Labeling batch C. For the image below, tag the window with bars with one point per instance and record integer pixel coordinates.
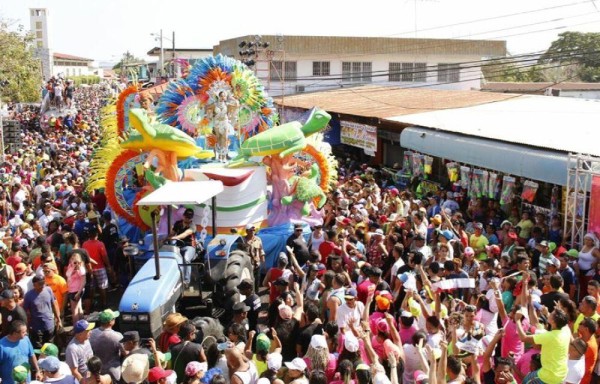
(357, 72)
(448, 72)
(277, 74)
(320, 68)
(408, 72)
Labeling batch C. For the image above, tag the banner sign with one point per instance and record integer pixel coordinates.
(359, 135)
(594, 215)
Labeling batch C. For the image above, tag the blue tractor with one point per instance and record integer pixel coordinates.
(157, 288)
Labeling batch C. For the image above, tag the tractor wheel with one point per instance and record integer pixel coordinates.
(239, 267)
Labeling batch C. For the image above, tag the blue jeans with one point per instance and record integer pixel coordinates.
(188, 253)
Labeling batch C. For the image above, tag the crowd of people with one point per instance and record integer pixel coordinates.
(391, 288)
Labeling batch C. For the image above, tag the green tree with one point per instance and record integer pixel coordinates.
(18, 67)
(507, 70)
(127, 59)
(581, 49)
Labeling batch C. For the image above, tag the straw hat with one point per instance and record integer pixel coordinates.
(173, 320)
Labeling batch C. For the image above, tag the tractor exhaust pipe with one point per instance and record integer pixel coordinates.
(155, 244)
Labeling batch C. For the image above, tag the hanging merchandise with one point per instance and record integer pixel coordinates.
(427, 165)
(508, 188)
(555, 200)
(452, 172)
(493, 185)
(476, 187)
(529, 190)
(484, 184)
(407, 162)
(417, 164)
(465, 177)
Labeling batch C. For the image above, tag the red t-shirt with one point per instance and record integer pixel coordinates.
(326, 248)
(363, 290)
(97, 251)
(13, 260)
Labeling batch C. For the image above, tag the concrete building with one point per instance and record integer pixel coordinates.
(69, 66)
(297, 64)
(170, 54)
(39, 20)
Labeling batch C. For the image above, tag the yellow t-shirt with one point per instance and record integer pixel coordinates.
(554, 355)
(479, 242)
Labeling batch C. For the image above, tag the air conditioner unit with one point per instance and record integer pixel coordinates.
(300, 88)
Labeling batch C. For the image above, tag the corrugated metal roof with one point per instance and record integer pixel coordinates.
(385, 102)
(564, 124)
(64, 56)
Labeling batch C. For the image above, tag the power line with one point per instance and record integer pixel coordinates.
(569, 54)
(494, 17)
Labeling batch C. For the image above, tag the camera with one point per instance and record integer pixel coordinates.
(145, 343)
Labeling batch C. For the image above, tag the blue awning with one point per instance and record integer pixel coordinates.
(513, 159)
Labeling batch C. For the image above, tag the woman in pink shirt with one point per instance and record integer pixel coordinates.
(75, 285)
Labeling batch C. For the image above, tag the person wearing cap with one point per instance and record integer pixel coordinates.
(43, 312)
(159, 375)
(10, 311)
(101, 267)
(184, 231)
(254, 247)
(297, 371)
(105, 342)
(240, 314)
(264, 348)
(50, 349)
(51, 368)
(79, 350)
(252, 300)
(298, 244)
(509, 243)
(546, 257)
(478, 242)
(135, 368)
(16, 349)
(352, 308)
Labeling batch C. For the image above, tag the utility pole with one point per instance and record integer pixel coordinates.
(162, 56)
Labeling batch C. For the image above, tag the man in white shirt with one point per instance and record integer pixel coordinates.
(576, 363)
(351, 310)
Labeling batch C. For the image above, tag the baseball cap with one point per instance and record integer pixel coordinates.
(478, 226)
(47, 349)
(250, 226)
(20, 373)
(107, 316)
(554, 262)
(130, 336)
(469, 251)
(274, 361)
(50, 364)
(379, 231)
(420, 376)
(297, 364)
(281, 282)
(544, 243)
(263, 343)
(351, 293)
(573, 253)
(285, 312)
(157, 373)
(505, 222)
(318, 341)
(83, 325)
(7, 294)
(512, 235)
(193, 367)
(406, 314)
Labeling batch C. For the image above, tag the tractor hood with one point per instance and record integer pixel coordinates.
(144, 294)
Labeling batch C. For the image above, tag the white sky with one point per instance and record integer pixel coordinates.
(104, 29)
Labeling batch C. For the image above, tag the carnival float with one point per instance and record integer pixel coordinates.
(215, 123)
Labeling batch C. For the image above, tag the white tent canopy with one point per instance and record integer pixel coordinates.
(185, 192)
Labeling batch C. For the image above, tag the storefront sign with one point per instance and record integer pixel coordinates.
(359, 135)
(594, 216)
